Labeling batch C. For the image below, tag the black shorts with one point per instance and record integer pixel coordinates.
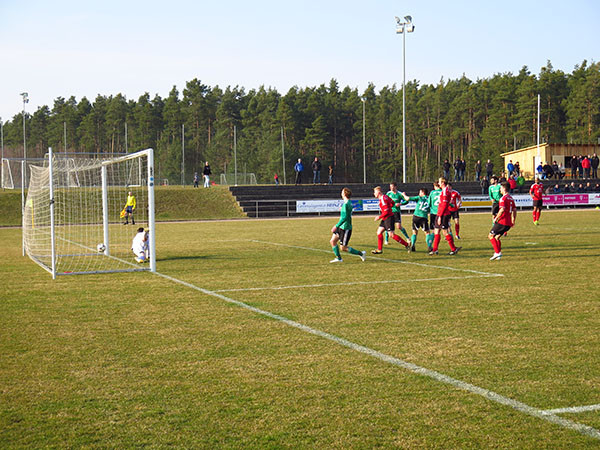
(499, 230)
(420, 222)
(432, 221)
(344, 235)
(388, 223)
(495, 208)
(443, 222)
(398, 217)
(129, 209)
(454, 214)
(538, 203)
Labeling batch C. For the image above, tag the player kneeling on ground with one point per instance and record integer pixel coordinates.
(503, 221)
(139, 245)
(342, 231)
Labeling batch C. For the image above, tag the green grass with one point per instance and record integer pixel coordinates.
(172, 203)
(137, 360)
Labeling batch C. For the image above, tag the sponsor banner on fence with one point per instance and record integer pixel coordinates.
(478, 201)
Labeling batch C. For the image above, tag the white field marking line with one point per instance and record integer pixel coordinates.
(530, 243)
(487, 274)
(573, 409)
(349, 283)
(490, 395)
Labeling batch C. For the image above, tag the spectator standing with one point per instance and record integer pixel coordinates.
(330, 177)
(548, 172)
(446, 168)
(276, 178)
(510, 167)
(594, 164)
(586, 165)
(579, 165)
(316, 168)
(489, 169)
(299, 168)
(512, 182)
(485, 185)
(555, 169)
(463, 169)
(196, 179)
(574, 164)
(517, 169)
(457, 165)
(478, 170)
(206, 173)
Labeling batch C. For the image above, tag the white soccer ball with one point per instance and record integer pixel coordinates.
(101, 248)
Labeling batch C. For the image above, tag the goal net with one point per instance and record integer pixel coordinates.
(241, 178)
(12, 171)
(74, 215)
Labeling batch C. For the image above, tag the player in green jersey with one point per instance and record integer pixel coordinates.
(399, 200)
(495, 195)
(420, 216)
(434, 201)
(342, 230)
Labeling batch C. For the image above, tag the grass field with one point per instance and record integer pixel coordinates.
(250, 338)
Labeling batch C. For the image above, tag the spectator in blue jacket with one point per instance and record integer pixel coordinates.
(298, 168)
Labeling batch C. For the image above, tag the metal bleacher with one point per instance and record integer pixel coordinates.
(280, 201)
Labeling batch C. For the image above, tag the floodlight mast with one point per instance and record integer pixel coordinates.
(403, 28)
(25, 96)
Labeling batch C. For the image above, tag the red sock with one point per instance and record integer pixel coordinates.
(534, 215)
(436, 242)
(399, 239)
(539, 213)
(457, 228)
(499, 244)
(380, 241)
(450, 240)
(494, 242)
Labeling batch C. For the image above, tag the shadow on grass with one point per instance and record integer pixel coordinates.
(195, 258)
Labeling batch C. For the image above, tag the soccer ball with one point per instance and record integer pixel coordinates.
(101, 248)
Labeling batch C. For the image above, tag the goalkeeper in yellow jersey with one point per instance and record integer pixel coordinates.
(129, 208)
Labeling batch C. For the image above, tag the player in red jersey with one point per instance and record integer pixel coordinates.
(536, 192)
(387, 221)
(442, 220)
(503, 221)
(455, 204)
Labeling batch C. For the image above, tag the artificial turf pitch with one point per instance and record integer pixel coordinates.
(138, 359)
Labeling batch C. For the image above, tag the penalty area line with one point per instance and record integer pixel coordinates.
(350, 283)
(573, 409)
(399, 261)
(490, 395)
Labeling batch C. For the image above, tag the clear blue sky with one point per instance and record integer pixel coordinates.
(63, 48)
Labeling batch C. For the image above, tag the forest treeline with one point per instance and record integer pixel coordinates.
(455, 118)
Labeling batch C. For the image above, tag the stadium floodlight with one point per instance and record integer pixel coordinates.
(72, 220)
(364, 101)
(25, 96)
(403, 28)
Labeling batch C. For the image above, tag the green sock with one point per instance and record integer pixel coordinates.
(413, 240)
(429, 240)
(354, 251)
(404, 232)
(386, 237)
(336, 250)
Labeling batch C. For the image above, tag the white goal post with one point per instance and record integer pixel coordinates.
(75, 214)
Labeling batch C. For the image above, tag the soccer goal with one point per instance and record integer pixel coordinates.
(74, 215)
(240, 178)
(12, 171)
